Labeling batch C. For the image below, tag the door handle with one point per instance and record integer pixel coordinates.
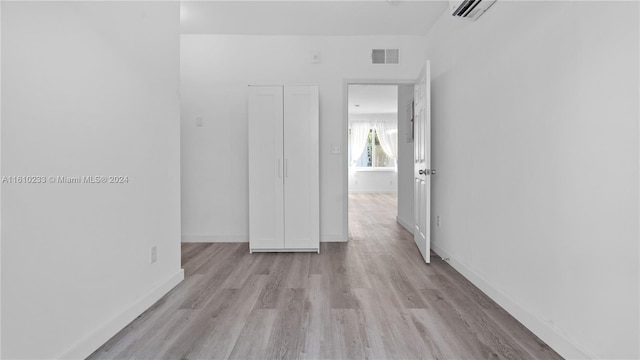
(422, 172)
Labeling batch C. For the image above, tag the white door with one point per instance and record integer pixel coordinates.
(266, 168)
(301, 168)
(422, 162)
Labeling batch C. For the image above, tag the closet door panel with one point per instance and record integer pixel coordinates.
(301, 194)
(266, 167)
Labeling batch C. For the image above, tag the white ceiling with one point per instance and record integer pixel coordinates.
(373, 99)
(346, 18)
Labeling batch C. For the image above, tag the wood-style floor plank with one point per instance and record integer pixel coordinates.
(370, 298)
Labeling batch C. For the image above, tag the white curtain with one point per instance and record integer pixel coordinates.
(388, 134)
(359, 135)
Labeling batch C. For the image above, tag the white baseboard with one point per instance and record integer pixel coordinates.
(405, 224)
(215, 238)
(333, 238)
(548, 333)
(244, 238)
(373, 191)
(101, 335)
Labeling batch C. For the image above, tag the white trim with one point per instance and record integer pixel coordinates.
(355, 116)
(0, 175)
(215, 238)
(373, 191)
(345, 137)
(245, 238)
(102, 334)
(280, 250)
(287, 84)
(548, 333)
(333, 237)
(374, 169)
(405, 224)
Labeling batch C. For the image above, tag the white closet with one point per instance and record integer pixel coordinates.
(284, 185)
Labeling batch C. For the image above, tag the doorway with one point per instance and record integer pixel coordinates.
(379, 155)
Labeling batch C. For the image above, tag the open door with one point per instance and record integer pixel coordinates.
(422, 162)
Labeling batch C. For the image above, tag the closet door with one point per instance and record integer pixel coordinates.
(266, 168)
(301, 193)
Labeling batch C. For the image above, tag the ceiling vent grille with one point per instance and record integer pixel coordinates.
(470, 9)
(385, 56)
(377, 56)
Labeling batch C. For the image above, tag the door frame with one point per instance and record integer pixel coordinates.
(345, 137)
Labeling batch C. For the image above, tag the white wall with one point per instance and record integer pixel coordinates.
(535, 123)
(88, 88)
(377, 181)
(405, 158)
(215, 72)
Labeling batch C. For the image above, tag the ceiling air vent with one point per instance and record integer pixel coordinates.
(470, 9)
(385, 56)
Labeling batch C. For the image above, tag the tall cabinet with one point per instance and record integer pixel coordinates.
(284, 184)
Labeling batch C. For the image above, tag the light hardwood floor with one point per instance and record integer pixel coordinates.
(370, 298)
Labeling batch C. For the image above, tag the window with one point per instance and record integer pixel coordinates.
(373, 155)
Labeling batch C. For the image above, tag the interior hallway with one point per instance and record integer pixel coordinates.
(372, 297)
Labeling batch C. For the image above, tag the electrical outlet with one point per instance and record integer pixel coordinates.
(438, 221)
(154, 254)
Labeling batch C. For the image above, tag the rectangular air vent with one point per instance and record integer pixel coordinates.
(377, 56)
(385, 56)
(392, 56)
